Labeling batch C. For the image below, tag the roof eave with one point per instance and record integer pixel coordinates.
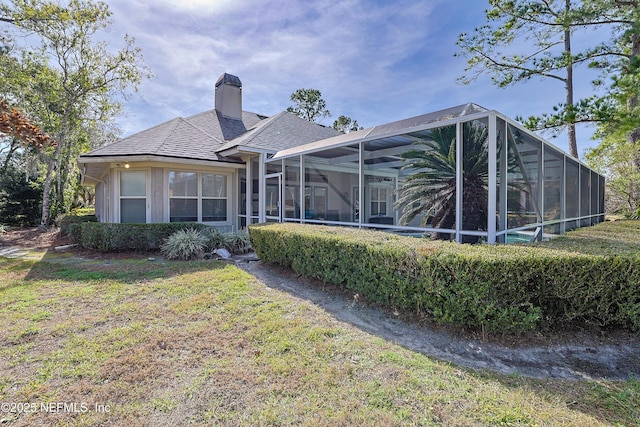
(152, 158)
(240, 150)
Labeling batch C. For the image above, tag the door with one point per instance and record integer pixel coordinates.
(273, 196)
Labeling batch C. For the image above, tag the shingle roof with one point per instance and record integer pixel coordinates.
(195, 137)
(224, 128)
(203, 135)
(280, 132)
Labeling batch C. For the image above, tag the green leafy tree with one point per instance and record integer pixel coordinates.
(20, 195)
(74, 93)
(618, 158)
(523, 39)
(624, 73)
(309, 105)
(346, 124)
(618, 154)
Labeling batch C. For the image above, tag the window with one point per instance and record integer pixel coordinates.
(183, 197)
(214, 197)
(133, 196)
(197, 197)
(379, 196)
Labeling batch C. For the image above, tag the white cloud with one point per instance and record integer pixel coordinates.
(202, 6)
(346, 49)
(374, 61)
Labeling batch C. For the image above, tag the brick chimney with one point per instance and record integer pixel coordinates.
(228, 100)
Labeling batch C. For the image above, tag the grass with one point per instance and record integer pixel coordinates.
(159, 343)
(616, 238)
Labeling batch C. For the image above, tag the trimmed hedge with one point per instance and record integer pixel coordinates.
(70, 225)
(113, 237)
(501, 288)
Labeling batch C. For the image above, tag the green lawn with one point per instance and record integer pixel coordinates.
(173, 343)
(611, 238)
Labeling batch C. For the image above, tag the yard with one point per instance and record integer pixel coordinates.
(134, 341)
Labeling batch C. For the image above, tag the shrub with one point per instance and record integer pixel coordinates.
(501, 288)
(4, 228)
(83, 211)
(70, 225)
(215, 239)
(237, 242)
(113, 237)
(185, 244)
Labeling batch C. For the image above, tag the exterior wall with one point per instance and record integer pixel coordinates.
(108, 198)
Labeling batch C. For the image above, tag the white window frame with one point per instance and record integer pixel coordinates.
(386, 200)
(119, 196)
(199, 197)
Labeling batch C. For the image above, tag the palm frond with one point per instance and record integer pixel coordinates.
(430, 191)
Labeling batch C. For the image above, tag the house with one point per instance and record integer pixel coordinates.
(194, 168)
(229, 168)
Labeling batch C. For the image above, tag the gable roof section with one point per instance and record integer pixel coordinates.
(280, 132)
(175, 138)
(196, 137)
(425, 119)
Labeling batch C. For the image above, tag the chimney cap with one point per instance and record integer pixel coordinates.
(229, 79)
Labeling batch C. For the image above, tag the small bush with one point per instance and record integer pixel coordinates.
(185, 244)
(215, 239)
(4, 228)
(238, 242)
(83, 211)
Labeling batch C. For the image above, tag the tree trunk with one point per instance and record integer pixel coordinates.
(571, 126)
(12, 149)
(46, 194)
(632, 103)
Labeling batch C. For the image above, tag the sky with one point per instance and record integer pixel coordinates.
(375, 61)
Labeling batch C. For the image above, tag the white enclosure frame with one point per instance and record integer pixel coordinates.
(363, 166)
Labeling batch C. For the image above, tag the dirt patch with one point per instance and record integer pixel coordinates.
(48, 240)
(34, 238)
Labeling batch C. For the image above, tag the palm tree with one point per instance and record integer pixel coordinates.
(431, 190)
